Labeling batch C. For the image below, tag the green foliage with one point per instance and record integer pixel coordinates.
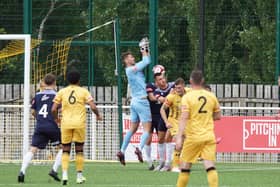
(13, 70)
(2, 31)
(239, 35)
(240, 42)
(259, 46)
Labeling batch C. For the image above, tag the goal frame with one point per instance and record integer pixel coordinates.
(26, 99)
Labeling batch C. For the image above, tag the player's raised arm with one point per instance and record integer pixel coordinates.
(144, 49)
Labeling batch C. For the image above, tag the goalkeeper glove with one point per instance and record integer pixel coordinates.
(144, 44)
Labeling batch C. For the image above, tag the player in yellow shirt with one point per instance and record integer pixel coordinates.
(199, 108)
(73, 122)
(173, 104)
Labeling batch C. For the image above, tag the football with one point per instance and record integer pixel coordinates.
(158, 69)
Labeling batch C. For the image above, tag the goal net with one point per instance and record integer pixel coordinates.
(27, 47)
(55, 60)
(249, 135)
(13, 48)
(17, 125)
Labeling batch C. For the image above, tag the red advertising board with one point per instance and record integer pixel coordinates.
(248, 134)
(135, 141)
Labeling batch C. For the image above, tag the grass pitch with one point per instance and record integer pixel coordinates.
(136, 175)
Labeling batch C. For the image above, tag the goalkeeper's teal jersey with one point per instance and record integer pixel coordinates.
(136, 78)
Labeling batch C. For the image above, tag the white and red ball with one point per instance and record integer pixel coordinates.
(158, 69)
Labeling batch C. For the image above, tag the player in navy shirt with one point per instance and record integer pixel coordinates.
(156, 93)
(46, 129)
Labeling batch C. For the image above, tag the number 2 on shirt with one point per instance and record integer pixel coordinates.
(204, 101)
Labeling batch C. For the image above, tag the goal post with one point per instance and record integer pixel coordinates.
(27, 54)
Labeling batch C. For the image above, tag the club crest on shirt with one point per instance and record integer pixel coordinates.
(44, 98)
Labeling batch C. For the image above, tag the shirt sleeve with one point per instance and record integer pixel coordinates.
(33, 103)
(169, 100)
(157, 94)
(184, 104)
(57, 99)
(88, 97)
(142, 64)
(150, 88)
(217, 105)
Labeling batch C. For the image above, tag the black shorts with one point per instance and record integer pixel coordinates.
(161, 125)
(42, 137)
(155, 121)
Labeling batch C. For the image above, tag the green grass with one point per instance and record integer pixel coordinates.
(136, 174)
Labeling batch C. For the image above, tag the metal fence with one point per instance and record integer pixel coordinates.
(240, 38)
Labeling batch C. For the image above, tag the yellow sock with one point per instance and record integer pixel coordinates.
(176, 158)
(183, 179)
(212, 177)
(79, 161)
(65, 161)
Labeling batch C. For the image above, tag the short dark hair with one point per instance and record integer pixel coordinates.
(197, 76)
(49, 79)
(73, 77)
(179, 81)
(157, 74)
(125, 54)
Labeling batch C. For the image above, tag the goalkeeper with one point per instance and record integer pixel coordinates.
(139, 107)
(46, 128)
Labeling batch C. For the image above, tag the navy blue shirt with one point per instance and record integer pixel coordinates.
(42, 104)
(154, 105)
(151, 88)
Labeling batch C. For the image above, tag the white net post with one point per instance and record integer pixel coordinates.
(27, 51)
(27, 47)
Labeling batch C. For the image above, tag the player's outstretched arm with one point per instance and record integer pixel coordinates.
(144, 46)
(142, 64)
(144, 49)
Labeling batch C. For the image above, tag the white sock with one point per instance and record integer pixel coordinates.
(64, 175)
(169, 153)
(26, 160)
(79, 174)
(161, 152)
(148, 154)
(57, 161)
